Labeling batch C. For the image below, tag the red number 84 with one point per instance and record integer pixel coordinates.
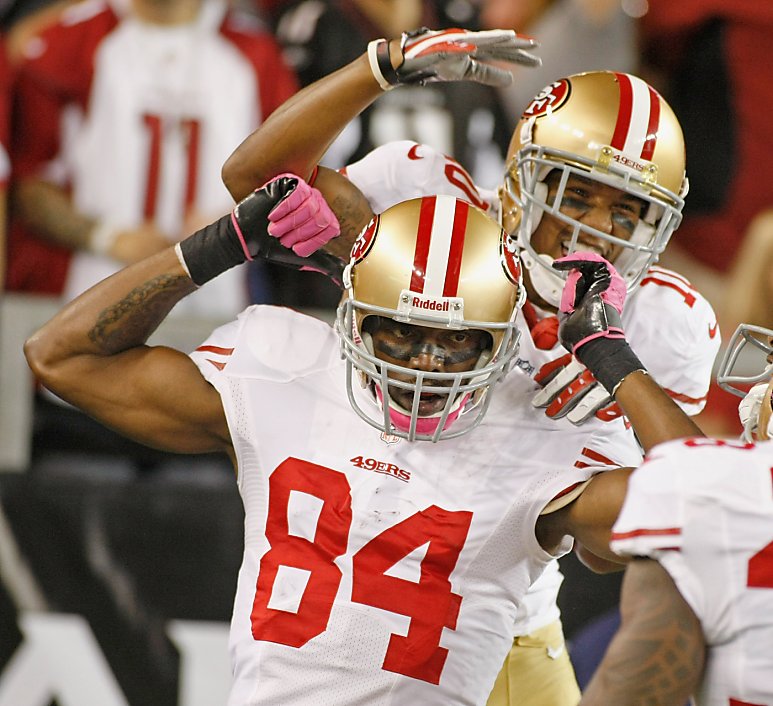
(430, 603)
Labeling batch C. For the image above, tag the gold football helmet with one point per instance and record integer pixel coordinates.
(613, 128)
(437, 262)
(746, 370)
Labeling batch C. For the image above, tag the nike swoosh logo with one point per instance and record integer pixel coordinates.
(555, 652)
(713, 329)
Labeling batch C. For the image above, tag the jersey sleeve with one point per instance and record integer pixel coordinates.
(651, 524)
(674, 331)
(212, 356)
(269, 343)
(403, 170)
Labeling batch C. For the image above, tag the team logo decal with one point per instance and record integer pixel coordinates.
(365, 240)
(510, 261)
(548, 99)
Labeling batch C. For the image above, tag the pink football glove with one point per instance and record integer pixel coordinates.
(303, 221)
(589, 319)
(592, 276)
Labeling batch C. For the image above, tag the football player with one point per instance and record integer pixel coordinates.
(697, 525)
(378, 567)
(596, 163)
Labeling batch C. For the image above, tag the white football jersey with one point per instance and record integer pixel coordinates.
(703, 508)
(147, 115)
(376, 570)
(671, 327)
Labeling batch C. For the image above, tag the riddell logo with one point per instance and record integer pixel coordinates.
(388, 469)
(430, 304)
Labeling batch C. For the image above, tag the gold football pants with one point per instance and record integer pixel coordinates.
(537, 672)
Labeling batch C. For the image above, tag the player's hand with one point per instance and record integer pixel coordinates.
(589, 324)
(302, 220)
(591, 302)
(570, 390)
(462, 55)
(275, 203)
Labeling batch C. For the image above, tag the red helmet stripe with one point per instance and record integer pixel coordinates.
(423, 239)
(623, 112)
(451, 286)
(638, 118)
(652, 128)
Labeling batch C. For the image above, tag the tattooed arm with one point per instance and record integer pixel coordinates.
(657, 656)
(93, 355)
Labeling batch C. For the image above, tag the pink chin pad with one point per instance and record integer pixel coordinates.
(614, 295)
(424, 425)
(303, 221)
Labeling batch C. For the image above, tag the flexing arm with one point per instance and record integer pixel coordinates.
(93, 353)
(298, 133)
(658, 654)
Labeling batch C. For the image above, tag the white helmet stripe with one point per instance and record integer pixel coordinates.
(637, 118)
(439, 259)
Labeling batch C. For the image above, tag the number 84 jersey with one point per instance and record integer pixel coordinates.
(375, 571)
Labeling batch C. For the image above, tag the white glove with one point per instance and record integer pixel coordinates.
(569, 390)
(452, 55)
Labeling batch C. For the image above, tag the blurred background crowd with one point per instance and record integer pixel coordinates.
(117, 115)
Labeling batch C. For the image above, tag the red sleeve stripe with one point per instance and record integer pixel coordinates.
(215, 349)
(665, 532)
(663, 272)
(216, 363)
(689, 297)
(566, 490)
(599, 458)
(681, 397)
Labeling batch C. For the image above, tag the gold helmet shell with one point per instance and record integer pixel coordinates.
(614, 128)
(435, 261)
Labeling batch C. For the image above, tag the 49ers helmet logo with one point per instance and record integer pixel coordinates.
(549, 98)
(365, 240)
(511, 263)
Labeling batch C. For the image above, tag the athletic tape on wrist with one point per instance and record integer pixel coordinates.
(212, 250)
(610, 360)
(381, 64)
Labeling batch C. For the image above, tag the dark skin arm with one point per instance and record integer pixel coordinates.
(657, 656)
(589, 519)
(654, 415)
(93, 354)
(297, 134)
